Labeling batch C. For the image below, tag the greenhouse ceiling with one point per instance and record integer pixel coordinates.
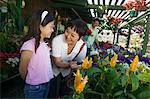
(111, 8)
(96, 8)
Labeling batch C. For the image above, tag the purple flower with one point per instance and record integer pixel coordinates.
(145, 59)
(140, 54)
(138, 29)
(129, 60)
(121, 58)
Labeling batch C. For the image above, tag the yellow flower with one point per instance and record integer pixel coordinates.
(107, 59)
(79, 82)
(134, 63)
(113, 60)
(80, 88)
(87, 64)
(78, 77)
(85, 79)
(141, 68)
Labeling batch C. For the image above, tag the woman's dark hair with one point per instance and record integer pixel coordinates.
(79, 25)
(34, 26)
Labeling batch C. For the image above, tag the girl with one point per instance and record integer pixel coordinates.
(35, 63)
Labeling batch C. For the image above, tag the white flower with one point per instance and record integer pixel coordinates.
(94, 52)
(147, 55)
(136, 41)
(13, 65)
(126, 56)
(105, 36)
(110, 51)
(13, 61)
(131, 49)
(122, 41)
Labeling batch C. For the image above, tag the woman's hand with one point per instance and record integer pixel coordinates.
(73, 64)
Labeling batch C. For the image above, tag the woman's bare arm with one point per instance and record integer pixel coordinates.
(58, 61)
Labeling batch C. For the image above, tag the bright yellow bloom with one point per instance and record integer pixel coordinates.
(113, 60)
(107, 59)
(141, 67)
(78, 77)
(134, 63)
(79, 88)
(87, 64)
(79, 82)
(85, 79)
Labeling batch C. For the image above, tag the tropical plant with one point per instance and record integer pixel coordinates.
(112, 78)
(10, 19)
(10, 33)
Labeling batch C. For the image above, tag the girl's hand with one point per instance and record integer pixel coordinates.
(24, 61)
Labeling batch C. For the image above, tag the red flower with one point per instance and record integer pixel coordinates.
(114, 20)
(89, 31)
(107, 45)
(137, 5)
(5, 55)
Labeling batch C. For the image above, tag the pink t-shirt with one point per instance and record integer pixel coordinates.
(39, 67)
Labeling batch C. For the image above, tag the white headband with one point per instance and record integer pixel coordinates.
(43, 15)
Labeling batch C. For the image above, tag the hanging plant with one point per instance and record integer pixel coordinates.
(136, 5)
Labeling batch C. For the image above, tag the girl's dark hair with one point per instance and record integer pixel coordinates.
(34, 26)
(79, 25)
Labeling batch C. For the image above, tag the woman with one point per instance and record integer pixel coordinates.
(67, 50)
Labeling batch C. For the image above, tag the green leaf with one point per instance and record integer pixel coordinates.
(124, 80)
(93, 70)
(81, 96)
(134, 81)
(115, 82)
(118, 93)
(144, 77)
(144, 94)
(113, 72)
(99, 63)
(131, 96)
(94, 92)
